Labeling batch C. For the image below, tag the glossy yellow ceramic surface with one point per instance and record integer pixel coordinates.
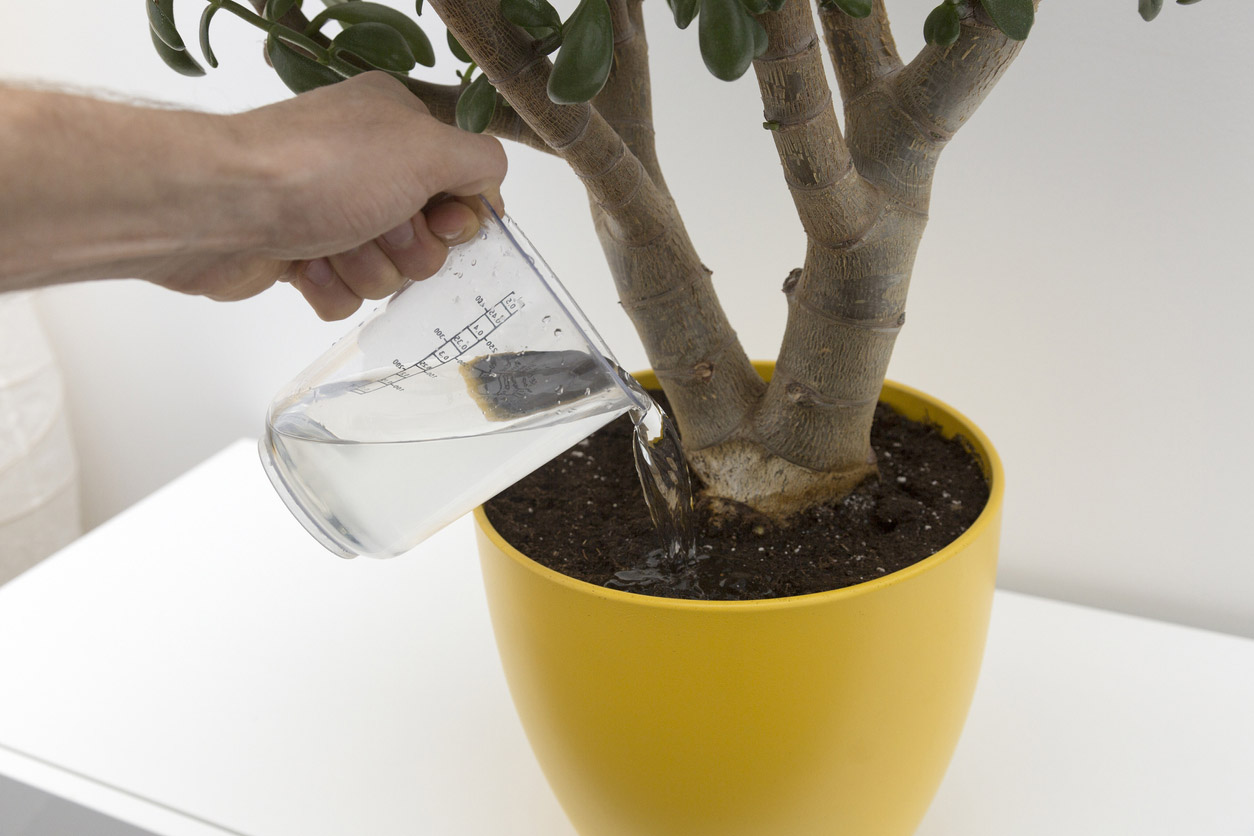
(832, 713)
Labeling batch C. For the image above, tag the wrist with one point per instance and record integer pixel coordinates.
(230, 195)
(97, 189)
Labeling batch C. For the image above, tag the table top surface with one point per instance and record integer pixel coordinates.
(199, 666)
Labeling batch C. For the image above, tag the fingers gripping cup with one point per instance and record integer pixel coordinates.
(456, 388)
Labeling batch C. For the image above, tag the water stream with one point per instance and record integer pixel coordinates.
(668, 495)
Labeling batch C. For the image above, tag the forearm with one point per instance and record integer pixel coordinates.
(95, 189)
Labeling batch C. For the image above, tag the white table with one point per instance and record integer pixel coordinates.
(199, 666)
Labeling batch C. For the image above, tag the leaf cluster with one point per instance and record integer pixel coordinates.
(371, 36)
(375, 36)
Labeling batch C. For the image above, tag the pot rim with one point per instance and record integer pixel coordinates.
(988, 517)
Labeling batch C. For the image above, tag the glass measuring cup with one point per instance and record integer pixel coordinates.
(455, 388)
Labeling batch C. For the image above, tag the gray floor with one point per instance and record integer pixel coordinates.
(25, 811)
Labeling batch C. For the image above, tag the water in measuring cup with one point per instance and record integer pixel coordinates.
(376, 489)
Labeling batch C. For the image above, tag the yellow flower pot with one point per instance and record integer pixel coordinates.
(831, 713)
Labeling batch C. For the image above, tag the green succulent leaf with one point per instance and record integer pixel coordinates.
(549, 42)
(1187, 2)
(418, 7)
(855, 8)
(756, 7)
(161, 19)
(205, 18)
(476, 105)
(729, 38)
(459, 52)
(1149, 9)
(275, 9)
(297, 70)
(583, 64)
(761, 40)
(364, 12)
(536, 16)
(293, 38)
(775, 5)
(378, 44)
(685, 11)
(1013, 17)
(176, 59)
(943, 25)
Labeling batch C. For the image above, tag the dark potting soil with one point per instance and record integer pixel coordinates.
(583, 515)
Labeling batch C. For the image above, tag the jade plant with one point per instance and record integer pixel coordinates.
(578, 87)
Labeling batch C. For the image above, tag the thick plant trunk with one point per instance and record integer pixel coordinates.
(861, 195)
(862, 198)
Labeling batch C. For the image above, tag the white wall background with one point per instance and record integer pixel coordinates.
(1082, 292)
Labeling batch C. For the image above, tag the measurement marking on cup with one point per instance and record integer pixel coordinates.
(452, 348)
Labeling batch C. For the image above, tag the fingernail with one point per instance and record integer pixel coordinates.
(457, 236)
(400, 236)
(319, 272)
(453, 223)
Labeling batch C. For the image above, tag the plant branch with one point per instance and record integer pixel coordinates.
(243, 13)
(441, 100)
(862, 49)
(293, 35)
(662, 283)
(626, 101)
(943, 86)
(293, 19)
(833, 202)
(898, 126)
(578, 133)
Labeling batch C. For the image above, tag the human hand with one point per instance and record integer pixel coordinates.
(360, 189)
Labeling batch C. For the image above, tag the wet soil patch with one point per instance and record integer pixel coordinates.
(583, 515)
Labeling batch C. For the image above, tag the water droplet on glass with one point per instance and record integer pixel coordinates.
(557, 332)
(545, 321)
